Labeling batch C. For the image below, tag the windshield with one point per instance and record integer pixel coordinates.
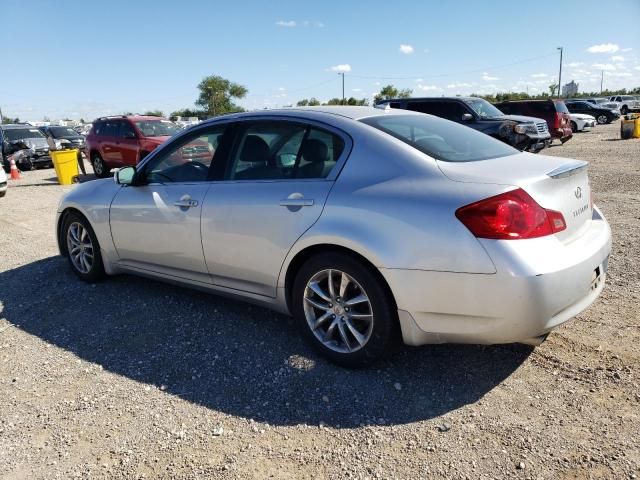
(483, 108)
(441, 139)
(13, 134)
(63, 132)
(157, 128)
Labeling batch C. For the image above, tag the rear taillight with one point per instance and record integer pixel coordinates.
(559, 120)
(510, 216)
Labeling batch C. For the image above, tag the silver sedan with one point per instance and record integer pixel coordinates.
(364, 224)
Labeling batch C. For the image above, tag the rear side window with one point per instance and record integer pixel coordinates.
(561, 107)
(442, 140)
(278, 150)
(449, 110)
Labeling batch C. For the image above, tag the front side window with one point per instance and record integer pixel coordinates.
(187, 160)
(483, 108)
(273, 150)
(440, 139)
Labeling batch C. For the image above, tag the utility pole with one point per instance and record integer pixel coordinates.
(1, 118)
(560, 74)
(601, 81)
(343, 100)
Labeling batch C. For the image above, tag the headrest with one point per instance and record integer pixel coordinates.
(315, 151)
(254, 150)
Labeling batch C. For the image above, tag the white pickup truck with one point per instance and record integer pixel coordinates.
(628, 103)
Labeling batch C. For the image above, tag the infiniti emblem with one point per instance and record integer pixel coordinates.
(578, 192)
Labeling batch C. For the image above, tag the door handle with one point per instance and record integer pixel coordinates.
(296, 202)
(186, 202)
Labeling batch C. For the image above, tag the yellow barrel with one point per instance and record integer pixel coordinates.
(66, 164)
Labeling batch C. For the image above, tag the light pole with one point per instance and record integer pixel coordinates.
(342, 73)
(560, 74)
(601, 81)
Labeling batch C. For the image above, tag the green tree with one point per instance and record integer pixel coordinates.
(302, 103)
(552, 88)
(390, 91)
(154, 113)
(314, 102)
(7, 120)
(186, 112)
(216, 94)
(311, 102)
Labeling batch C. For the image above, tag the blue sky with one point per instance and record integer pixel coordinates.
(86, 58)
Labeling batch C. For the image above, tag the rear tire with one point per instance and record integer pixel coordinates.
(355, 320)
(574, 126)
(602, 119)
(82, 248)
(99, 168)
(624, 110)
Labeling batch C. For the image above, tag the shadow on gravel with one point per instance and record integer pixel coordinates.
(239, 359)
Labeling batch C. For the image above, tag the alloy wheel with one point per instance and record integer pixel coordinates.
(80, 247)
(338, 311)
(602, 119)
(98, 166)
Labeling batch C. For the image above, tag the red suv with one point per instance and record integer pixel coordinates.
(115, 142)
(555, 112)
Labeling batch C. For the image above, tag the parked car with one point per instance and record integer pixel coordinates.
(603, 103)
(553, 111)
(125, 140)
(601, 114)
(523, 133)
(33, 138)
(359, 221)
(581, 122)
(628, 103)
(64, 133)
(3, 181)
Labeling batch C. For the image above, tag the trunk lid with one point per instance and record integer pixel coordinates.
(560, 184)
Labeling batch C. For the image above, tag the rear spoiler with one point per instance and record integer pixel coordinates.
(568, 169)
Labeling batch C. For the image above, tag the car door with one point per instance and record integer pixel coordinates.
(155, 224)
(128, 144)
(108, 137)
(274, 188)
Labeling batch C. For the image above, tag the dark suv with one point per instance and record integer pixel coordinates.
(523, 133)
(115, 142)
(555, 112)
(58, 133)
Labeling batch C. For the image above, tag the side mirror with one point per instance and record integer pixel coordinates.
(466, 117)
(125, 176)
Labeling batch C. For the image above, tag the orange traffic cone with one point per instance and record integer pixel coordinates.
(15, 173)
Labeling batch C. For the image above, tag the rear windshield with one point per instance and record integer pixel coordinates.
(63, 132)
(561, 107)
(441, 139)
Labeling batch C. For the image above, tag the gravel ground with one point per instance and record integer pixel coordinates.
(131, 378)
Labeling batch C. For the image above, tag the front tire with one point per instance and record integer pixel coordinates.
(574, 126)
(99, 167)
(343, 309)
(624, 110)
(82, 248)
(602, 119)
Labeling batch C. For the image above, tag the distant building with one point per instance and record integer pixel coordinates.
(569, 89)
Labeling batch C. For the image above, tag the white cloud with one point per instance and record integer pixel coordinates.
(575, 64)
(628, 49)
(487, 78)
(318, 24)
(637, 68)
(604, 66)
(356, 89)
(406, 49)
(377, 83)
(342, 68)
(428, 88)
(459, 85)
(604, 48)
(539, 75)
(286, 23)
(419, 80)
(281, 89)
(619, 74)
(617, 58)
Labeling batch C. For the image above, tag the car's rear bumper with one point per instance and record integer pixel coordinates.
(539, 284)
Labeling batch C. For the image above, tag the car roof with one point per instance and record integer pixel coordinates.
(13, 126)
(323, 112)
(130, 117)
(422, 99)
